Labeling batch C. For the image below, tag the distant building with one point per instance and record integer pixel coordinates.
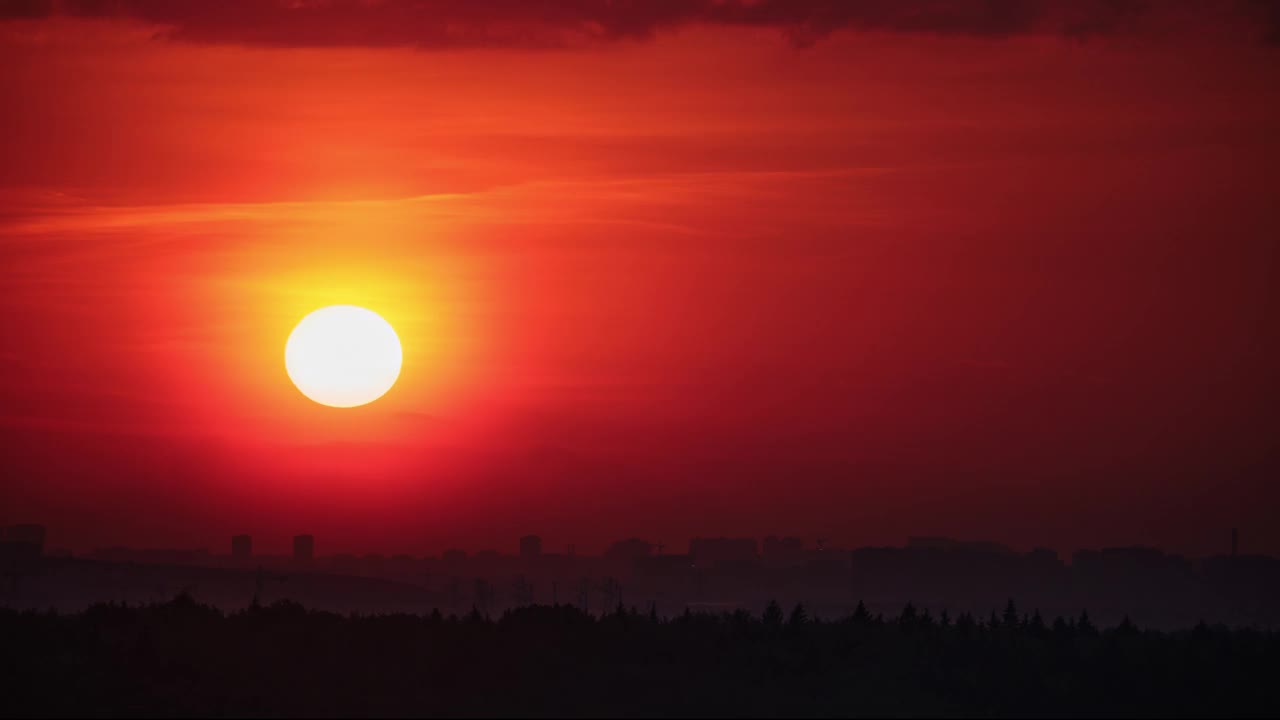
(373, 564)
(1046, 557)
(664, 566)
(454, 556)
(530, 546)
(241, 547)
(29, 534)
(343, 564)
(304, 548)
(1128, 562)
(487, 557)
(629, 549)
(783, 552)
(723, 552)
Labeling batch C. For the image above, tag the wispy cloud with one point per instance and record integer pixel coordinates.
(573, 23)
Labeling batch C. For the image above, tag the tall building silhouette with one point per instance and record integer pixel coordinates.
(304, 548)
(241, 547)
(530, 546)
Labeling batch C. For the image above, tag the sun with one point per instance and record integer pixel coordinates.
(343, 356)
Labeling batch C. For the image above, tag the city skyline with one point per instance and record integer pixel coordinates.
(243, 546)
(1151, 586)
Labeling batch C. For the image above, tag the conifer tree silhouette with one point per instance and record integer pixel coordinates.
(860, 614)
(773, 614)
(1010, 619)
(799, 616)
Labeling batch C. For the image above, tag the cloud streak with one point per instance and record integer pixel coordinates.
(574, 23)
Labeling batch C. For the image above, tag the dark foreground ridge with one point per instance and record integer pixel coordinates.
(185, 658)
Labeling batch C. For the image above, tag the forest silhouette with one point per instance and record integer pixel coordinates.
(185, 658)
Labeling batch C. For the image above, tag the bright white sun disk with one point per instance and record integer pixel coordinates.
(343, 356)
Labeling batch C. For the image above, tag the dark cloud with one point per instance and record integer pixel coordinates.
(1268, 12)
(553, 23)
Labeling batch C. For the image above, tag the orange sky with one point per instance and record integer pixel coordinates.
(698, 279)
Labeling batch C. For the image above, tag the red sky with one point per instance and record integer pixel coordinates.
(851, 270)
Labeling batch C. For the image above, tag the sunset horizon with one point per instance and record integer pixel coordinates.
(858, 271)
(849, 271)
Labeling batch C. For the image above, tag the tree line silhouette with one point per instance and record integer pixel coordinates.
(185, 658)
